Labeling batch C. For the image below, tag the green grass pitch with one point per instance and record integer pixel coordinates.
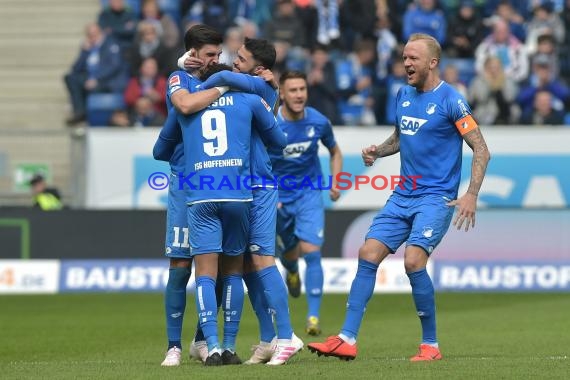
(121, 336)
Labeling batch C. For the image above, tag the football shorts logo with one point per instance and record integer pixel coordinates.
(431, 108)
(410, 125)
(296, 150)
(254, 248)
(406, 104)
(427, 232)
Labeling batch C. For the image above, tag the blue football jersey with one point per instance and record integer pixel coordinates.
(179, 80)
(260, 162)
(430, 125)
(217, 146)
(299, 161)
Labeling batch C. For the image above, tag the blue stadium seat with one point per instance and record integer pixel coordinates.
(135, 5)
(465, 66)
(100, 107)
(567, 120)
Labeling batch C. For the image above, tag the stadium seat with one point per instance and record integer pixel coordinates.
(100, 107)
(567, 120)
(465, 67)
(135, 5)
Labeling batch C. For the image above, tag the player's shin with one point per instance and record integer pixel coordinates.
(255, 292)
(314, 280)
(232, 305)
(175, 304)
(424, 298)
(207, 310)
(275, 292)
(360, 292)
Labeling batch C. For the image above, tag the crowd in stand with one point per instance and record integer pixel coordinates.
(506, 57)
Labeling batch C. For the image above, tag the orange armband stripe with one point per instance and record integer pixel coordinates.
(466, 124)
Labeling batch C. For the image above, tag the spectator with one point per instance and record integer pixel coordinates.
(150, 84)
(209, 12)
(120, 118)
(322, 85)
(355, 76)
(385, 46)
(149, 45)
(357, 20)
(465, 31)
(44, 198)
(120, 22)
(328, 26)
(309, 16)
(233, 39)
(544, 21)
(99, 68)
(543, 112)
(502, 44)
(256, 11)
(492, 95)
(424, 17)
(286, 26)
(145, 115)
(396, 80)
(546, 45)
(543, 78)
(166, 28)
(504, 10)
(451, 76)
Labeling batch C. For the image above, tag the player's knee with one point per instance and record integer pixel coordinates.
(180, 263)
(373, 252)
(413, 264)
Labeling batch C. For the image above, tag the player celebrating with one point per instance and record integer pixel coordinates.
(205, 43)
(266, 289)
(433, 120)
(301, 217)
(217, 148)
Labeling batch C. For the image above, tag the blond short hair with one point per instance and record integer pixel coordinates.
(433, 46)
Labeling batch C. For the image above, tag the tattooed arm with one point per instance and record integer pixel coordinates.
(387, 148)
(467, 203)
(481, 157)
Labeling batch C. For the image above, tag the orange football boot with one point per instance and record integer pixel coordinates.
(427, 353)
(334, 346)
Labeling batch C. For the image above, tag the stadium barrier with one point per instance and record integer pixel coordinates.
(509, 250)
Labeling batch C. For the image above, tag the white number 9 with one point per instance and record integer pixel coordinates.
(209, 118)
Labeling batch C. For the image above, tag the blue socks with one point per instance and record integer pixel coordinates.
(232, 305)
(259, 305)
(314, 283)
(199, 335)
(360, 292)
(207, 310)
(175, 304)
(424, 298)
(275, 294)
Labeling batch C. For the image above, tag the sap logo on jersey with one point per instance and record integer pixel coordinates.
(410, 125)
(296, 150)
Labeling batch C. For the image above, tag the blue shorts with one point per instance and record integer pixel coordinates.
(421, 221)
(263, 221)
(176, 245)
(303, 219)
(218, 227)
